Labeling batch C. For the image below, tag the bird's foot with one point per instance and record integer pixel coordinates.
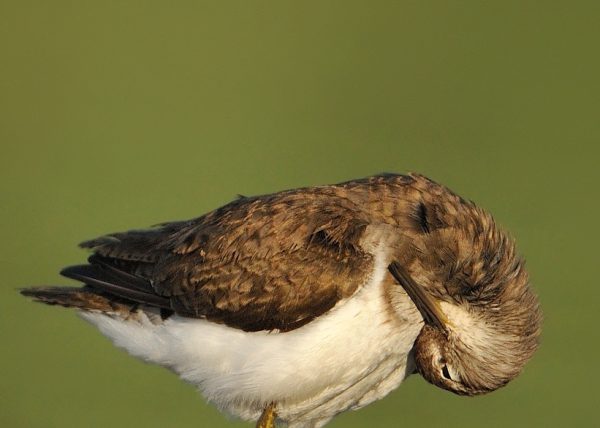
(267, 419)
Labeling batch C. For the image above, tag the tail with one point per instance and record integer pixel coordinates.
(105, 289)
(82, 298)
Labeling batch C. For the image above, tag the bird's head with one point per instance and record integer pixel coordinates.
(481, 319)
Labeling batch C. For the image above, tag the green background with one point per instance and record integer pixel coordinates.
(118, 115)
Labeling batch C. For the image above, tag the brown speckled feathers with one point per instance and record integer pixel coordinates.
(275, 261)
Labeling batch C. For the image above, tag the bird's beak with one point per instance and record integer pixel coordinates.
(425, 303)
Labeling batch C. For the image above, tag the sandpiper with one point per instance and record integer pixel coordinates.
(302, 304)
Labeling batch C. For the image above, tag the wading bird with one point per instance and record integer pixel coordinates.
(302, 304)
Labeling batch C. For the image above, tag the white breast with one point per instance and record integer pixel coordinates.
(345, 359)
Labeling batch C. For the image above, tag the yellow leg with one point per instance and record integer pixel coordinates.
(267, 419)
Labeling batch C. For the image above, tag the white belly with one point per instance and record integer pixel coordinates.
(345, 359)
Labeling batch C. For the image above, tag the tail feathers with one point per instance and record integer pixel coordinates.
(107, 288)
(71, 297)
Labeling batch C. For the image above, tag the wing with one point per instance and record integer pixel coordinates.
(265, 263)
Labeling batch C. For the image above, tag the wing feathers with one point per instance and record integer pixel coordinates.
(121, 276)
(262, 263)
(99, 278)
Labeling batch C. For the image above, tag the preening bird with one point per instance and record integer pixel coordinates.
(299, 305)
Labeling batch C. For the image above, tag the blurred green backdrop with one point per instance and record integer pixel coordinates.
(117, 115)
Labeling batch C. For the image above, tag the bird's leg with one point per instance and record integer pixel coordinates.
(267, 419)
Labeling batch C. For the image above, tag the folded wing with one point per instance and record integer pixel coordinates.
(265, 263)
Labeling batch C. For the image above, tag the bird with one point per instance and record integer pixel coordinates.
(296, 306)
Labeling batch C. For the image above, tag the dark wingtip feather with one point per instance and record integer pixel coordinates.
(98, 242)
(76, 271)
(117, 284)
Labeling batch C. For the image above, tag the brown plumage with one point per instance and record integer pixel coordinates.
(277, 262)
(268, 262)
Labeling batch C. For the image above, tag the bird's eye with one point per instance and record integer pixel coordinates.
(446, 372)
